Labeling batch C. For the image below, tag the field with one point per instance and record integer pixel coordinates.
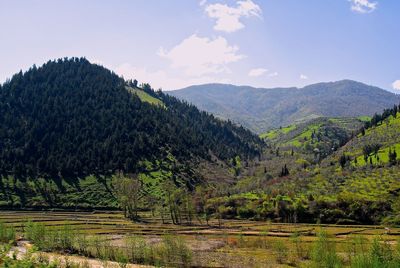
(229, 243)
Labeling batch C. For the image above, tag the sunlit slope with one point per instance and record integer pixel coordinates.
(145, 97)
(322, 135)
(381, 139)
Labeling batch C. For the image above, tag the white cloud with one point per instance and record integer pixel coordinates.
(363, 6)
(198, 56)
(257, 72)
(303, 77)
(273, 74)
(396, 85)
(228, 18)
(161, 79)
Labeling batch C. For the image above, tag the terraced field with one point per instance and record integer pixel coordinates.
(236, 243)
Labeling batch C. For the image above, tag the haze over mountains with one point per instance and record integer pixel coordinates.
(261, 109)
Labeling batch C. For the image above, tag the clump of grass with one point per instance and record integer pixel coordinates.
(380, 254)
(7, 233)
(174, 252)
(138, 251)
(281, 251)
(302, 252)
(48, 239)
(324, 253)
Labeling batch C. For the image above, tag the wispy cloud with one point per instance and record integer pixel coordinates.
(274, 74)
(161, 78)
(303, 77)
(228, 17)
(396, 85)
(363, 6)
(257, 72)
(202, 2)
(198, 56)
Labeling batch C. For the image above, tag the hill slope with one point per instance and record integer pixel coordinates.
(357, 183)
(320, 136)
(70, 119)
(261, 109)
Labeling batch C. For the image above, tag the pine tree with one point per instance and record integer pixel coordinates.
(392, 156)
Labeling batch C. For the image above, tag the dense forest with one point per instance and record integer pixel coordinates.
(70, 118)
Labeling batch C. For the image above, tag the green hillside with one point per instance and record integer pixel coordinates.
(385, 136)
(319, 136)
(145, 97)
(69, 127)
(290, 184)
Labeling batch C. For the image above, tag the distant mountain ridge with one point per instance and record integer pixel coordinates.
(261, 109)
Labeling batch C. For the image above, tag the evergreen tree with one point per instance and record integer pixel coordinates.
(70, 118)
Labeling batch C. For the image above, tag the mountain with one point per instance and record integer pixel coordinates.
(261, 109)
(70, 119)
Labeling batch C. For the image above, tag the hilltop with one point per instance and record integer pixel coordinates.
(262, 109)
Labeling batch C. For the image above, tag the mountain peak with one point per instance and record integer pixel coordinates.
(261, 109)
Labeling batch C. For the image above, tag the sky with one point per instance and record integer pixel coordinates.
(172, 44)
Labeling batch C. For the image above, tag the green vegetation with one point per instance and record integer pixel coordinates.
(69, 121)
(186, 183)
(353, 179)
(272, 134)
(319, 135)
(145, 97)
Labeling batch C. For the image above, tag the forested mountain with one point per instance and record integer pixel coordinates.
(261, 109)
(70, 118)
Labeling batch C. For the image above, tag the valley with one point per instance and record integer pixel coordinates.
(129, 175)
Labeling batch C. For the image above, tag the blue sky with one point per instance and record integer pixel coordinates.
(177, 43)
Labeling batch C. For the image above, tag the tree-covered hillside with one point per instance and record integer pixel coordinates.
(358, 182)
(318, 137)
(263, 109)
(70, 118)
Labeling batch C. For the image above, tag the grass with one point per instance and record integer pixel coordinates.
(364, 118)
(88, 192)
(145, 96)
(272, 134)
